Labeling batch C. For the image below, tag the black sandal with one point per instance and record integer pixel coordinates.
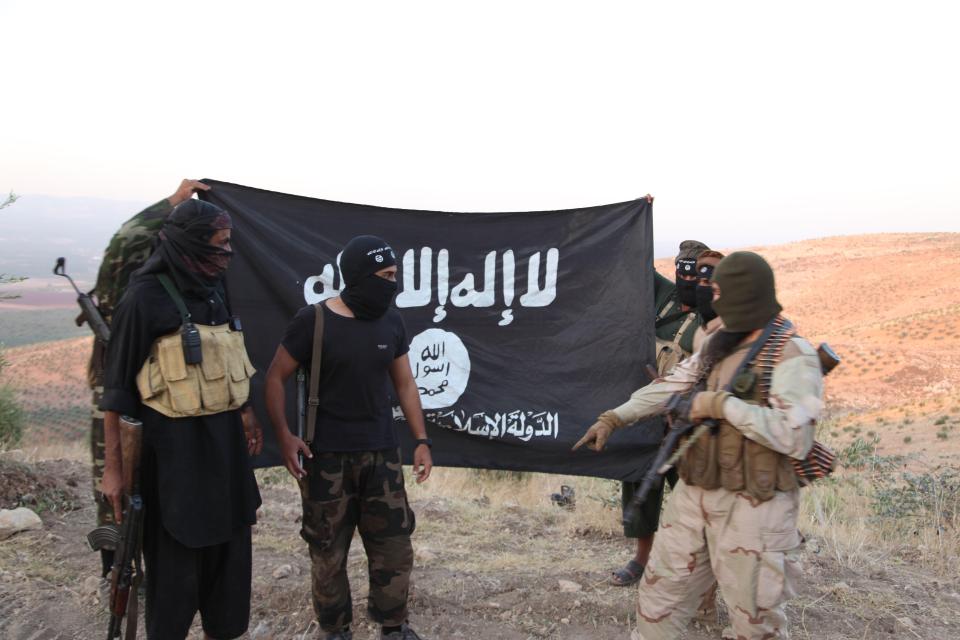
(627, 575)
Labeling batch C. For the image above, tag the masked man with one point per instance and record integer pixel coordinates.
(733, 514)
(353, 478)
(709, 323)
(177, 362)
(129, 248)
(676, 325)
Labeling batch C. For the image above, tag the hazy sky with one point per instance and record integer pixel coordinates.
(750, 121)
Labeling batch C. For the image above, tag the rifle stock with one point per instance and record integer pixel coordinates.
(131, 443)
(126, 572)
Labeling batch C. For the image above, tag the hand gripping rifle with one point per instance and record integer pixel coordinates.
(819, 463)
(679, 425)
(89, 312)
(125, 540)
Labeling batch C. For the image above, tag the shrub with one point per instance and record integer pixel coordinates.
(907, 440)
(11, 419)
(925, 495)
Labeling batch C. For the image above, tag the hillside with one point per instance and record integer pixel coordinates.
(887, 305)
(873, 298)
(496, 559)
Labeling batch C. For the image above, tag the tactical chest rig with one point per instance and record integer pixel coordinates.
(724, 457)
(214, 379)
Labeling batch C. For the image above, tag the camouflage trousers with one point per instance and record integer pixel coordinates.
(751, 548)
(97, 453)
(357, 490)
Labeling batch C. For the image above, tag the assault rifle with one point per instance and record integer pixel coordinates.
(818, 463)
(89, 312)
(125, 540)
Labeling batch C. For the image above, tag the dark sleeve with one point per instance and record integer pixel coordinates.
(298, 338)
(130, 341)
(403, 345)
(662, 290)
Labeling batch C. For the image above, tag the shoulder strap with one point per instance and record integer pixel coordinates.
(177, 298)
(673, 317)
(768, 331)
(678, 336)
(313, 400)
(668, 305)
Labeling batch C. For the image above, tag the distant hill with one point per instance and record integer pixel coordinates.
(37, 229)
(887, 303)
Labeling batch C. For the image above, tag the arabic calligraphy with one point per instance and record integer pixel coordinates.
(519, 424)
(440, 365)
(426, 279)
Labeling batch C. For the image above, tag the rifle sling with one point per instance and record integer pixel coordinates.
(313, 400)
(175, 294)
(673, 317)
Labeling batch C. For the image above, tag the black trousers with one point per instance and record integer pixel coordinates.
(180, 581)
(646, 519)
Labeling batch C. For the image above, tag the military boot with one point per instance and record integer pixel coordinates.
(405, 633)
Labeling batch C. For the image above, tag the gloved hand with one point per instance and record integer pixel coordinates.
(708, 404)
(597, 435)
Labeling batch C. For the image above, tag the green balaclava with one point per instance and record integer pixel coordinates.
(748, 297)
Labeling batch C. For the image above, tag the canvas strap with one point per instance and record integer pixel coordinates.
(174, 293)
(313, 399)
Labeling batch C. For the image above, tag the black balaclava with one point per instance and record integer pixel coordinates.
(686, 263)
(705, 302)
(367, 294)
(185, 252)
(706, 263)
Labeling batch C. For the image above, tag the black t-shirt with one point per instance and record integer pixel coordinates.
(355, 411)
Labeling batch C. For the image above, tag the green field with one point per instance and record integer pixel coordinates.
(18, 328)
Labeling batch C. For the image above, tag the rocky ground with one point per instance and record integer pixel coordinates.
(487, 566)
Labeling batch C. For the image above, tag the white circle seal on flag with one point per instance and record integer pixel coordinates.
(441, 367)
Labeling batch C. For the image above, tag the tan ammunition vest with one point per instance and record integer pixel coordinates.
(220, 383)
(669, 352)
(725, 458)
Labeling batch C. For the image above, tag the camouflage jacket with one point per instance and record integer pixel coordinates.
(129, 248)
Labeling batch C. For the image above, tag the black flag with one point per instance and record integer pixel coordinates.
(523, 326)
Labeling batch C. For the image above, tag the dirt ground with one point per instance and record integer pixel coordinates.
(482, 571)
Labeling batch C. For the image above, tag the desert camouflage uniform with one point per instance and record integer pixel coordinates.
(128, 250)
(750, 546)
(358, 490)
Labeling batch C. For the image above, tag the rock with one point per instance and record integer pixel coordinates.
(15, 520)
(91, 586)
(878, 574)
(261, 632)
(564, 620)
(568, 586)
(424, 555)
(14, 455)
(907, 622)
(283, 571)
(493, 605)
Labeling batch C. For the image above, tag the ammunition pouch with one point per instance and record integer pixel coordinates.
(221, 382)
(725, 458)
